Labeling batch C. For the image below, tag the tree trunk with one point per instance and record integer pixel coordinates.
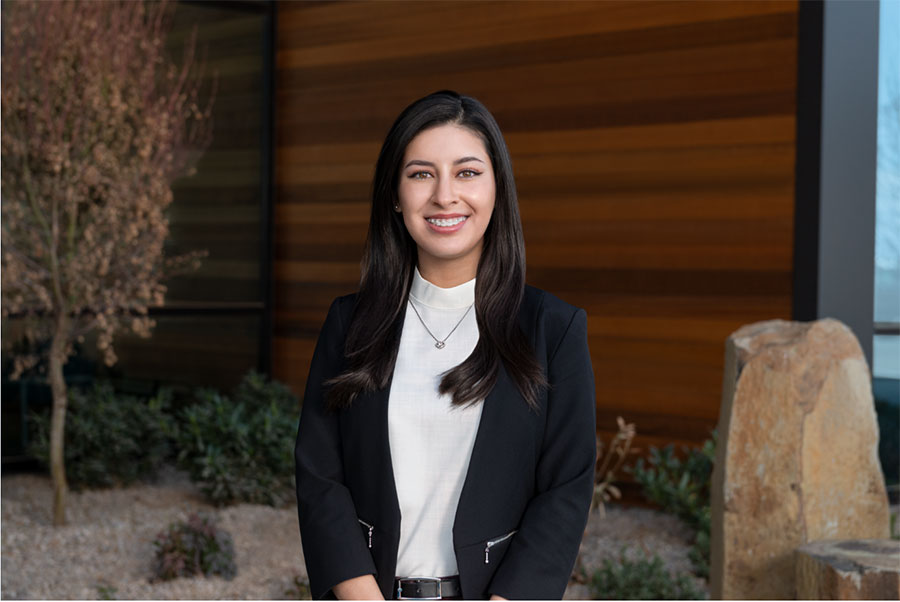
(58, 419)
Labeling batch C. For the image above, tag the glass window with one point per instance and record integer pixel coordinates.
(209, 330)
(886, 348)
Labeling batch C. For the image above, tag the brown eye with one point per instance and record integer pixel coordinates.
(469, 173)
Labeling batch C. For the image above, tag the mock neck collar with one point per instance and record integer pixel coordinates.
(455, 297)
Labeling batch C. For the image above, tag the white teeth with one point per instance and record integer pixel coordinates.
(447, 222)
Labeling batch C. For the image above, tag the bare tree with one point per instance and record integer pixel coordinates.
(97, 124)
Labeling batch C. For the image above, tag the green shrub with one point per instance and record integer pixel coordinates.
(640, 579)
(699, 552)
(255, 390)
(241, 450)
(110, 439)
(682, 488)
(196, 546)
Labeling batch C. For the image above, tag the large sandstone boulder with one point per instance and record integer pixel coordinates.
(797, 458)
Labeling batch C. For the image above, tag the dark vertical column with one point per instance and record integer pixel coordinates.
(849, 155)
(809, 130)
(834, 247)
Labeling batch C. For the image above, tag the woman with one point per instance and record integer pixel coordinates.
(448, 451)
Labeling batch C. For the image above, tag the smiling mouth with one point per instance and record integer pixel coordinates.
(452, 221)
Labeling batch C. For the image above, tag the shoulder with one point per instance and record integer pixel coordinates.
(344, 304)
(550, 318)
(550, 308)
(340, 312)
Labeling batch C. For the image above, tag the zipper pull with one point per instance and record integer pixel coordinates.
(487, 549)
(370, 536)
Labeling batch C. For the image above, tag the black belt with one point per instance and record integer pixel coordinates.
(424, 588)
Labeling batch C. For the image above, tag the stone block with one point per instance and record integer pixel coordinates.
(850, 569)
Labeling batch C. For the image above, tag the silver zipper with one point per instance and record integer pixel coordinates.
(370, 530)
(493, 542)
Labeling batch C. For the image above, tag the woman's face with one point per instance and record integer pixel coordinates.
(446, 194)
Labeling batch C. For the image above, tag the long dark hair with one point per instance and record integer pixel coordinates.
(390, 256)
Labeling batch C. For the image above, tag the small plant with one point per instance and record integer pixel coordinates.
(641, 579)
(895, 532)
(111, 439)
(610, 462)
(194, 547)
(299, 590)
(682, 488)
(241, 449)
(106, 591)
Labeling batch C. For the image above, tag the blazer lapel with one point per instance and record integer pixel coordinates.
(379, 422)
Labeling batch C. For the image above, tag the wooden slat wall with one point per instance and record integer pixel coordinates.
(653, 144)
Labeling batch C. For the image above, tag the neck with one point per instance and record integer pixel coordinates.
(447, 274)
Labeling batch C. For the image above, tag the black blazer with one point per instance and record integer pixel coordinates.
(527, 493)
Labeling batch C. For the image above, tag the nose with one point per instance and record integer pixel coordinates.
(444, 193)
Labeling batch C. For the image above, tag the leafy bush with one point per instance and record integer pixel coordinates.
(682, 488)
(699, 552)
(641, 579)
(241, 450)
(110, 439)
(256, 390)
(192, 547)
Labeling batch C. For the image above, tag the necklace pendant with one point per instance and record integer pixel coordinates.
(439, 344)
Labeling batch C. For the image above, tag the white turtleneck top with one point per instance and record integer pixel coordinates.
(431, 440)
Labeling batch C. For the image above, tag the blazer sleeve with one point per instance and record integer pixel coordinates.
(333, 543)
(542, 553)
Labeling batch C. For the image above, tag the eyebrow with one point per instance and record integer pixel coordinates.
(430, 164)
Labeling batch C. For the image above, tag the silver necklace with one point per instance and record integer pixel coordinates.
(437, 342)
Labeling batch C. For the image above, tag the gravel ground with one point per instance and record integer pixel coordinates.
(107, 550)
(637, 529)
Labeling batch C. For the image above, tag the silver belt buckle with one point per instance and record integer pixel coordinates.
(437, 579)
